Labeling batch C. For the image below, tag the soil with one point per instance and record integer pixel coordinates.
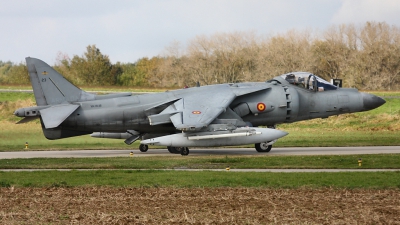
(105, 205)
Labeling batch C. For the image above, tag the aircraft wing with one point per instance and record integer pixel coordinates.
(196, 110)
(199, 110)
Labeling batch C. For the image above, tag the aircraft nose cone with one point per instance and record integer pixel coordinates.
(371, 101)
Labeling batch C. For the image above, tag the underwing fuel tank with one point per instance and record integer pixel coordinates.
(240, 136)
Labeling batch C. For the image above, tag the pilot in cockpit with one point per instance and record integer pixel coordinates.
(293, 79)
(300, 82)
(308, 81)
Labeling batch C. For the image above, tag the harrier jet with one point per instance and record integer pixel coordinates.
(212, 115)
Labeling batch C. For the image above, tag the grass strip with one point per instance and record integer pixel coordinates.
(378, 161)
(180, 179)
(16, 96)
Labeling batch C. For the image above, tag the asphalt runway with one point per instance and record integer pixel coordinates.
(204, 152)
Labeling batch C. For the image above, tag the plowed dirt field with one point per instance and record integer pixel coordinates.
(103, 205)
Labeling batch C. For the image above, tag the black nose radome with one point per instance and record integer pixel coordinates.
(371, 101)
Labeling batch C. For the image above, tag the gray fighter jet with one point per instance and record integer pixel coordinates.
(212, 115)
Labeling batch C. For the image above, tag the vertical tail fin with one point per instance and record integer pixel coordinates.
(50, 87)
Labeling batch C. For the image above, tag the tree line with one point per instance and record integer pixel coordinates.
(365, 56)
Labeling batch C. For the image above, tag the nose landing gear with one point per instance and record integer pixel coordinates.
(263, 147)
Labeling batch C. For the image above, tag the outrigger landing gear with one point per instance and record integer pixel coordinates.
(263, 147)
(178, 150)
(143, 148)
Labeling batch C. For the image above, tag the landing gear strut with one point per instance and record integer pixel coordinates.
(143, 148)
(266, 146)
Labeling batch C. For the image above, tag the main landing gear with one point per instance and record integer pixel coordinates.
(174, 150)
(143, 148)
(178, 150)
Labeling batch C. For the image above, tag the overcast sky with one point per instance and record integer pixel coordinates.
(128, 30)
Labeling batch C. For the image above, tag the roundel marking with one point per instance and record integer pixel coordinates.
(196, 112)
(261, 107)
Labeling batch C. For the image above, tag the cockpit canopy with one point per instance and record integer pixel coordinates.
(308, 81)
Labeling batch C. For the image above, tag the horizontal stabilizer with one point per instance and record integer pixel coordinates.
(52, 117)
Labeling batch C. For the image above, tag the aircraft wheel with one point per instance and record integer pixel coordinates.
(184, 151)
(143, 148)
(173, 150)
(263, 147)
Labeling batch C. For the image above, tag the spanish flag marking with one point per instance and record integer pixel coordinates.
(261, 107)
